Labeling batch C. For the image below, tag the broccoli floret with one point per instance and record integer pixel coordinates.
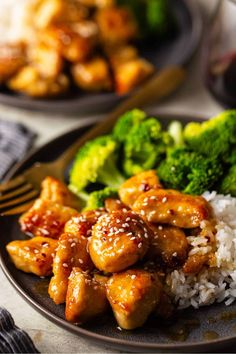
(96, 199)
(189, 171)
(145, 146)
(175, 129)
(126, 123)
(213, 137)
(231, 159)
(228, 184)
(159, 17)
(154, 17)
(95, 162)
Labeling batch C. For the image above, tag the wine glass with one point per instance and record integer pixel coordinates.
(220, 53)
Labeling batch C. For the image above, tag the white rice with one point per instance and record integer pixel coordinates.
(211, 284)
(14, 20)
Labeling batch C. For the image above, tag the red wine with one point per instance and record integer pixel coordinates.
(221, 80)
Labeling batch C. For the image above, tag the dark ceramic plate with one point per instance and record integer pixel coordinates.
(176, 50)
(207, 329)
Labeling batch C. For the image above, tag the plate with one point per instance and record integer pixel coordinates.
(177, 50)
(191, 331)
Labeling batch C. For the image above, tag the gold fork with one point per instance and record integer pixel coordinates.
(17, 195)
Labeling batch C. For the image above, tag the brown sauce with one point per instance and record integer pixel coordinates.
(181, 333)
(212, 320)
(41, 287)
(234, 328)
(228, 316)
(210, 335)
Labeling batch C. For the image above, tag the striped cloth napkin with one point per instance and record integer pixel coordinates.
(12, 338)
(15, 141)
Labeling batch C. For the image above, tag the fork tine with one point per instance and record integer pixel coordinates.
(12, 184)
(15, 193)
(17, 202)
(19, 209)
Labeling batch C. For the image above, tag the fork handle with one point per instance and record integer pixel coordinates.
(159, 86)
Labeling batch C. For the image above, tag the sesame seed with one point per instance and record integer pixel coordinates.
(45, 245)
(133, 276)
(65, 265)
(80, 261)
(160, 227)
(164, 200)
(73, 244)
(142, 212)
(140, 245)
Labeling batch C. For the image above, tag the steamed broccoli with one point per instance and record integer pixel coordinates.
(145, 146)
(175, 129)
(154, 17)
(214, 137)
(189, 171)
(159, 17)
(96, 199)
(126, 122)
(231, 159)
(228, 184)
(95, 162)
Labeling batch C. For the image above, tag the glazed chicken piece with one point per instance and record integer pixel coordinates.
(32, 83)
(133, 295)
(119, 54)
(70, 44)
(46, 218)
(86, 29)
(128, 68)
(168, 245)
(97, 3)
(133, 187)
(112, 204)
(47, 60)
(71, 252)
(54, 190)
(12, 58)
(48, 12)
(116, 25)
(94, 75)
(118, 240)
(171, 207)
(82, 224)
(86, 297)
(130, 74)
(34, 255)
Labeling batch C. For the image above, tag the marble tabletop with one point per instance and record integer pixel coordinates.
(191, 98)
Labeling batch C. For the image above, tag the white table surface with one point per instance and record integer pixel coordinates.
(192, 98)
